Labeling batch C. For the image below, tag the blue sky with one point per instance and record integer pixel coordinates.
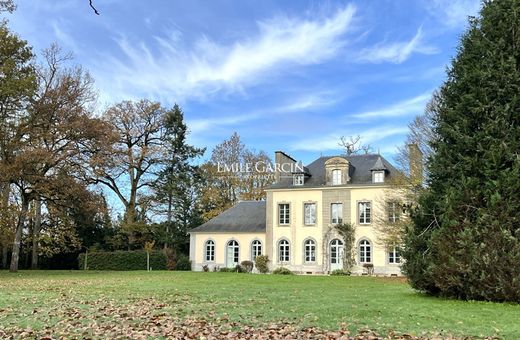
(285, 75)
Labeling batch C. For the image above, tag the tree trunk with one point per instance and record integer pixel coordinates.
(36, 233)
(5, 253)
(15, 257)
(169, 219)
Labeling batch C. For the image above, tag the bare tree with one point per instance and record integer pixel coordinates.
(352, 145)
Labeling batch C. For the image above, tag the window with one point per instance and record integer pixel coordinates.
(283, 251)
(232, 253)
(393, 212)
(365, 251)
(336, 177)
(298, 179)
(310, 213)
(394, 255)
(256, 249)
(310, 251)
(283, 211)
(336, 212)
(364, 212)
(379, 176)
(210, 251)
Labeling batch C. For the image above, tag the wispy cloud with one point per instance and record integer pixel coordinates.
(413, 105)
(331, 141)
(171, 68)
(453, 14)
(302, 103)
(396, 52)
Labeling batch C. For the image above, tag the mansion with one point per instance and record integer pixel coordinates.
(294, 226)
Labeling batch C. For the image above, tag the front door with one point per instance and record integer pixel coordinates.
(336, 254)
(232, 254)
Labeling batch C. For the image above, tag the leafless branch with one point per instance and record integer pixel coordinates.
(94, 8)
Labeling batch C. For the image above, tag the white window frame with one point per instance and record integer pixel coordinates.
(235, 247)
(209, 251)
(256, 249)
(393, 212)
(336, 177)
(394, 255)
(284, 214)
(309, 251)
(378, 176)
(298, 179)
(284, 251)
(365, 212)
(365, 251)
(336, 215)
(312, 213)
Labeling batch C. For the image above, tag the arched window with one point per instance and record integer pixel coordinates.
(256, 249)
(365, 251)
(336, 177)
(283, 251)
(232, 253)
(310, 251)
(210, 251)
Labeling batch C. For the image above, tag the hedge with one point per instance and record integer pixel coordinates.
(123, 260)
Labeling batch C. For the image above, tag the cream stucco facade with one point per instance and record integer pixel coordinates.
(294, 226)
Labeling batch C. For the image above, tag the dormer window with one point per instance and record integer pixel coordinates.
(298, 179)
(378, 176)
(336, 177)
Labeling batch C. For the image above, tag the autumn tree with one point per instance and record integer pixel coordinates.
(127, 167)
(233, 173)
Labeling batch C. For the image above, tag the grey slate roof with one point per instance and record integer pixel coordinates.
(379, 165)
(359, 171)
(245, 216)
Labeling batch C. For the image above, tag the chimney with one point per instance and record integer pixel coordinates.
(415, 157)
(282, 165)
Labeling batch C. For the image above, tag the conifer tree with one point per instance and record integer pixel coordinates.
(465, 242)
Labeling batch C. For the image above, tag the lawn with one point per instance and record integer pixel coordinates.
(112, 304)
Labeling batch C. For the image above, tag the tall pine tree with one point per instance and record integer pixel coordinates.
(466, 239)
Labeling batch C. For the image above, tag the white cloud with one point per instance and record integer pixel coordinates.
(413, 105)
(396, 52)
(331, 141)
(180, 71)
(300, 104)
(453, 13)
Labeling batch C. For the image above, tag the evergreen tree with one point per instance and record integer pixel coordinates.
(465, 242)
(177, 184)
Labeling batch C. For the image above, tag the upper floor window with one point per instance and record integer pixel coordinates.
(336, 177)
(283, 251)
(365, 214)
(393, 212)
(256, 249)
(298, 179)
(394, 256)
(210, 251)
(378, 176)
(310, 251)
(310, 213)
(283, 213)
(336, 213)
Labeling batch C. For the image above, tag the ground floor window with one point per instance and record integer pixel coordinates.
(256, 249)
(394, 255)
(283, 251)
(365, 251)
(310, 251)
(210, 251)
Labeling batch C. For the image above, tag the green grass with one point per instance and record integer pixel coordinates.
(54, 299)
